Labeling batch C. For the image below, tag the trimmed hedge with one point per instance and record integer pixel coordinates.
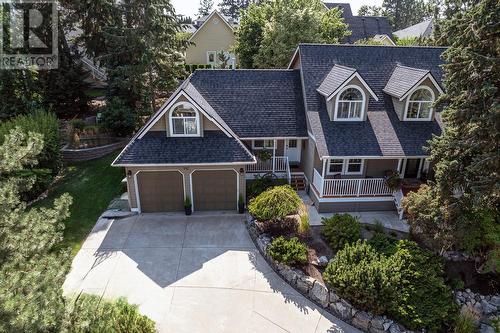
(90, 313)
(288, 251)
(46, 124)
(340, 230)
(275, 203)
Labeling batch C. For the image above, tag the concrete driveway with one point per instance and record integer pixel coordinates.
(193, 274)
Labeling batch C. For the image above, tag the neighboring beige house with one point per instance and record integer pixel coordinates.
(336, 123)
(213, 34)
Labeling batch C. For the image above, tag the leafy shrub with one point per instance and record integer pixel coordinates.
(118, 118)
(288, 251)
(90, 313)
(383, 243)
(408, 286)
(46, 124)
(341, 229)
(259, 185)
(361, 275)
(466, 321)
(275, 203)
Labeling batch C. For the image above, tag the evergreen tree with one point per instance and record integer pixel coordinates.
(32, 270)
(232, 8)
(205, 7)
(270, 32)
(467, 154)
(366, 10)
(404, 13)
(144, 56)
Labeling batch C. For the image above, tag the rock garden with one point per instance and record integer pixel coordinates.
(376, 279)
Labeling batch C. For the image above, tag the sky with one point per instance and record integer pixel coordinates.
(190, 7)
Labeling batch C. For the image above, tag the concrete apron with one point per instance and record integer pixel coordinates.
(193, 274)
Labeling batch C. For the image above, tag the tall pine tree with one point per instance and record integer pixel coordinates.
(464, 202)
(32, 270)
(205, 7)
(404, 13)
(232, 8)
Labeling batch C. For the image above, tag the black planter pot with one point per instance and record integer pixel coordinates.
(188, 210)
(241, 208)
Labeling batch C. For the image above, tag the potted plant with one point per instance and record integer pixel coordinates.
(241, 204)
(393, 181)
(187, 206)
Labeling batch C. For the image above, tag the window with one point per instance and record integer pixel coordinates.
(184, 120)
(420, 104)
(350, 104)
(211, 57)
(263, 144)
(353, 166)
(335, 166)
(292, 143)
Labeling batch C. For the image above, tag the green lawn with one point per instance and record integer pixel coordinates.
(92, 185)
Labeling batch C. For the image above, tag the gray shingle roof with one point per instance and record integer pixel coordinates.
(362, 27)
(255, 103)
(381, 135)
(403, 79)
(335, 78)
(423, 29)
(156, 148)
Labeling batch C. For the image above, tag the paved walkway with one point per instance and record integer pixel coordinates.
(389, 219)
(193, 274)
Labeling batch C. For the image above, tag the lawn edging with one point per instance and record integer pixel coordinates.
(318, 293)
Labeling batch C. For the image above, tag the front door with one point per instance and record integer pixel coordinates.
(292, 150)
(412, 167)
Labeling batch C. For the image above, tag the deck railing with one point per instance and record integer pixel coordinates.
(350, 187)
(276, 164)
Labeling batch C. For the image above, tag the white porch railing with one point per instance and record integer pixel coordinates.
(276, 164)
(350, 187)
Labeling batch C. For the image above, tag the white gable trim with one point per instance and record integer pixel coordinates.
(168, 106)
(348, 81)
(417, 85)
(208, 19)
(293, 57)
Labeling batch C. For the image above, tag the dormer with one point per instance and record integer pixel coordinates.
(346, 94)
(413, 93)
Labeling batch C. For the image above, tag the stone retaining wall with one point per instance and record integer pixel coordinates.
(77, 155)
(320, 294)
(487, 307)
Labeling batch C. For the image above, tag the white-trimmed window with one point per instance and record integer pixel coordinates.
(212, 58)
(263, 144)
(419, 105)
(350, 104)
(184, 120)
(352, 166)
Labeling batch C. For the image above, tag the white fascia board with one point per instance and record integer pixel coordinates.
(427, 76)
(346, 82)
(184, 164)
(276, 138)
(372, 157)
(293, 57)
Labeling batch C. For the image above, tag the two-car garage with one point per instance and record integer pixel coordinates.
(165, 190)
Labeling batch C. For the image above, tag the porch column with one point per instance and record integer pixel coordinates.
(420, 166)
(323, 179)
(400, 161)
(274, 154)
(403, 168)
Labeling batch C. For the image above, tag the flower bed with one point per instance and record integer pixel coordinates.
(316, 290)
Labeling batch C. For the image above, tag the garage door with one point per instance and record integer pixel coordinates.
(214, 190)
(161, 191)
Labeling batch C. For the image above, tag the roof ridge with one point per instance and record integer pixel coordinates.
(375, 46)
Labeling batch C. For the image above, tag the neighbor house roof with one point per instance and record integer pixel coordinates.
(255, 103)
(157, 148)
(376, 65)
(423, 29)
(362, 27)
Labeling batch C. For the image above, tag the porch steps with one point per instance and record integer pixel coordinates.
(298, 182)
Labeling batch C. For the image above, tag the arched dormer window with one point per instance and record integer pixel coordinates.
(350, 104)
(184, 120)
(419, 105)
